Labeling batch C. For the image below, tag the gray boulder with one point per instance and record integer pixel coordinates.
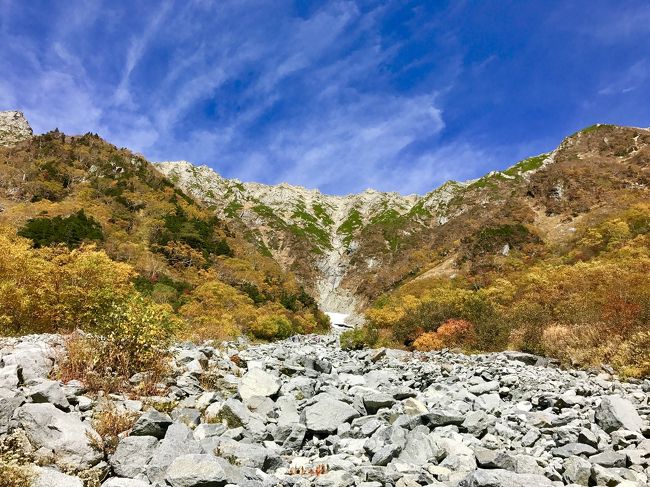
(374, 401)
(152, 423)
(49, 477)
(327, 413)
(64, 436)
(132, 455)
(196, 471)
(33, 360)
(119, 482)
(10, 400)
(166, 452)
(571, 449)
(616, 413)
(503, 478)
(49, 391)
(256, 382)
(577, 470)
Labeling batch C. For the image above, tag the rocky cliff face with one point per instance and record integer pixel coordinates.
(332, 242)
(14, 128)
(303, 229)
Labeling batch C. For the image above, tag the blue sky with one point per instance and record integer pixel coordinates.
(338, 95)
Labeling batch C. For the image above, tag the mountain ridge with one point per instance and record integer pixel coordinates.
(348, 250)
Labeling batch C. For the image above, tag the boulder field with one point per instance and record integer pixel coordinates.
(303, 412)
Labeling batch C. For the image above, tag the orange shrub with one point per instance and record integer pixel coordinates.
(451, 334)
(457, 333)
(427, 342)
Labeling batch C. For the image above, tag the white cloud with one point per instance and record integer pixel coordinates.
(629, 80)
(337, 130)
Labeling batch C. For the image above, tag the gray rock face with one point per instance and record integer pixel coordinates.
(14, 128)
(303, 412)
(60, 436)
(196, 471)
(616, 413)
(327, 413)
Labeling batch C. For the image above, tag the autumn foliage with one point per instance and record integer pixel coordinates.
(451, 334)
(586, 305)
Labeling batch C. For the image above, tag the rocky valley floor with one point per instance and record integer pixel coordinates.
(303, 412)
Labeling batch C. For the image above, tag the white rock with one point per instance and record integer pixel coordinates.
(257, 382)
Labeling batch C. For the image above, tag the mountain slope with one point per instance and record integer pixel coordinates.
(547, 256)
(184, 256)
(351, 249)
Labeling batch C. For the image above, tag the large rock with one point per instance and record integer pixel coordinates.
(69, 440)
(49, 391)
(49, 477)
(120, 482)
(132, 455)
(577, 470)
(503, 478)
(169, 449)
(327, 413)
(9, 377)
(616, 413)
(10, 400)
(247, 454)
(152, 423)
(374, 401)
(34, 360)
(256, 382)
(196, 471)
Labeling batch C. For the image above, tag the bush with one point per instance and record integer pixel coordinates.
(110, 423)
(270, 327)
(134, 337)
(53, 290)
(71, 231)
(451, 334)
(428, 341)
(217, 311)
(457, 333)
(359, 338)
(633, 357)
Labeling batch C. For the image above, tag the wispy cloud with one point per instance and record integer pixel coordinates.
(340, 95)
(629, 80)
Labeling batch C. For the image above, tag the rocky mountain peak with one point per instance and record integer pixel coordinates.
(14, 127)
